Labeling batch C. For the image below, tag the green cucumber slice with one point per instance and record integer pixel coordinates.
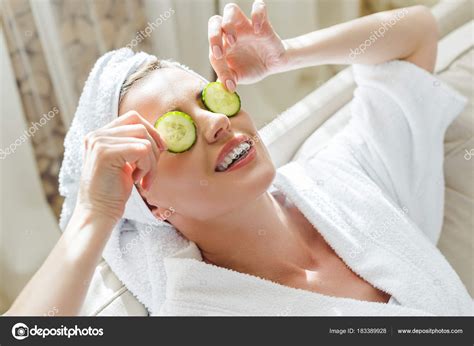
(218, 100)
(178, 131)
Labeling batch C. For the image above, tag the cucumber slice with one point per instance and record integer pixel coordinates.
(178, 131)
(218, 100)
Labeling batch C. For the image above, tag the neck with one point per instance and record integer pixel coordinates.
(250, 238)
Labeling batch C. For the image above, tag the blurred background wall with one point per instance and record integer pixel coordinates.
(47, 48)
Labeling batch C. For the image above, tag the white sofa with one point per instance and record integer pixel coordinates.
(311, 123)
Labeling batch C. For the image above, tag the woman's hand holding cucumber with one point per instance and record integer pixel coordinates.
(117, 155)
(241, 50)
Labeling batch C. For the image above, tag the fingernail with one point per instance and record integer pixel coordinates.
(231, 39)
(230, 85)
(217, 52)
(258, 27)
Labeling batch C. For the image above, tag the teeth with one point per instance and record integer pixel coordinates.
(236, 152)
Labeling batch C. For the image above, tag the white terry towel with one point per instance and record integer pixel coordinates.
(375, 193)
(196, 288)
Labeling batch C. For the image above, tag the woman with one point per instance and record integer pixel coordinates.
(225, 224)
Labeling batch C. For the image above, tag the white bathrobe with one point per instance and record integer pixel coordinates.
(376, 195)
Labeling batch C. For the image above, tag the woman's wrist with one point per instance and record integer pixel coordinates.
(88, 230)
(281, 63)
(292, 58)
(84, 215)
(289, 57)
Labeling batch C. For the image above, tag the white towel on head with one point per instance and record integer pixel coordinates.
(140, 241)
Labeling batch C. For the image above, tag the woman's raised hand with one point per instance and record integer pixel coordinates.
(116, 155)
(241, 50)
(125, 151)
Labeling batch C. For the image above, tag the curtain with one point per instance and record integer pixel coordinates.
(52, 46)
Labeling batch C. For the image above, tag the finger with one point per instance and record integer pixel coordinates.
(124, 140)
(232, 18)
(259, 15)
(134, 130)
(119, 155)
(133, 117)
(226, 75)
(127, 134)
(214, 34)
(148, 179)
(149, 176)
(143, 161)
(146, 169)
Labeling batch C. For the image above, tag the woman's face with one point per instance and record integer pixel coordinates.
(189, 182)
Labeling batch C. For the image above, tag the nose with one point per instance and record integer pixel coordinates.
(217, 126)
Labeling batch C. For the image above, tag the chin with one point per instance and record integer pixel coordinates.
(261, 176)
(259, 179)
(236, 193)
(234, 189)
(267, 176)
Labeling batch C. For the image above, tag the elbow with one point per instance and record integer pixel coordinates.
(424, 18)
(425, 28)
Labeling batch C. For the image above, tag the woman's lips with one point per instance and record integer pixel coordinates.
(229, 147)
(247, 158)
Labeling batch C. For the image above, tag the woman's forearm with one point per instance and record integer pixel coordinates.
(60, 285)
(108, 172)
(397, 34)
